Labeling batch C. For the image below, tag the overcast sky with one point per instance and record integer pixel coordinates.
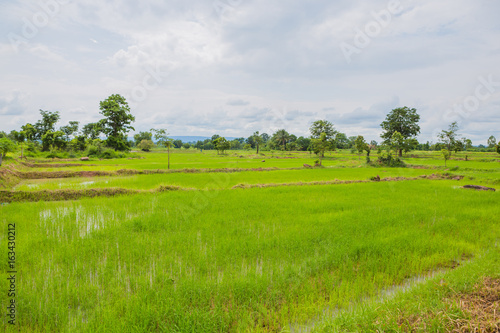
(233, 67)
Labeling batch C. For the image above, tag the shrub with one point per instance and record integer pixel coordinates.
(386, 159)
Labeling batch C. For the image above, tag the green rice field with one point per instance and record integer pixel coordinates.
(217, 255)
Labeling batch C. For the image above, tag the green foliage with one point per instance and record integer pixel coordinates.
(450, 138)
(186, 145)
(6, 146)
(70, 129)
(146, 145)
(281, 137)
(386, 158)
(117, 121)
(49, 119)
(322, 126)
(30, 131)
(221, 144)
(92, 130)
(492, 141)
(320, 145)
(446, 155)
(402, 120)
(142, 136)
(53, 139)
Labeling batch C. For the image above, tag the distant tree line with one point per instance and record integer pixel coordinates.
(107, 138)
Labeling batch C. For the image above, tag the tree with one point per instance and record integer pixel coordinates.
(93, 130)
(303, 143)
(341, 141)
(221, 144)
(281, 137)
(446, 154)
(322, 126)
(257, 139)
(177, 143)
(361, 145)
(498, 147)
(18, 137)
(186, 145)
(142, 136)
(492, 141)
(467, 143)
(162, 139)
(145, 145)
(117, 121)
(68, 130)
(49, 119)
(6, 146)
(53, 139)
(403, 120)
(449, 138)
(30, 131)
(320, 145)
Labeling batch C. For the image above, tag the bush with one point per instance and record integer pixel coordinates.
(386, 159)
(108, 154)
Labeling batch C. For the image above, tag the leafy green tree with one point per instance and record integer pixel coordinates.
(446, 154)
(322, 126)
(53, 139)
(18, 137)
(162, 139)
(221, 144)
(92, 130)
(341, 141)
(177, 143)
(402, 120)
(142, 136)
(145, 145)
(117, 121)
(320, 145)
(6, 146)
(236, 144)
(498, 147)
(492, 141)
(48, 122)
(186, 145)
(303, 143)
(450, 138)
(70, 129)
(281, 137)
(258, 140)
(361, 145)
(30, 131)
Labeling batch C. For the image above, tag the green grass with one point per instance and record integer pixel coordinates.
(240, 260)
(220, 180)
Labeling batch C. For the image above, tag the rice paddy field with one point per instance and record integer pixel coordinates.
(253, 243)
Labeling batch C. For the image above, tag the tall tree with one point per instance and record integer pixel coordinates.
(492, 141)
(48, 122)
(221, 144)
(257, 139)
(403, 120)
(320, 145)
(162, 139)
(281, 137)
(68, 130)
(93, 130)
(322, 126)
(117, 121)
(450, 138)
